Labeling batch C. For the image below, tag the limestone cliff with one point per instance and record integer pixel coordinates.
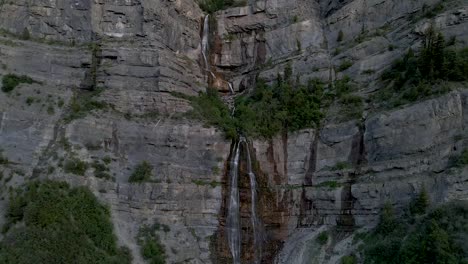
(144, 54)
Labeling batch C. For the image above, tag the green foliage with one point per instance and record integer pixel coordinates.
(25, 35)
(151, 248)
(330, 184)
(50, 222)
(430, 12)
(435, 237)
(11, 81)
(461, 161)
(282, 107)
(295, 19)
(3, 160)
(213, 184)
(142, 173)
(421, 203)
(346, 64)
(349, 260)
(101, 170)
(211, 6)
(417, 76)
(76, 166)
(83, 103)
(268, 110)
(322, 238)
(352, 107)
(340, 36)
(209, 107)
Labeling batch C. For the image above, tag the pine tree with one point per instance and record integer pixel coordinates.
(421, 203)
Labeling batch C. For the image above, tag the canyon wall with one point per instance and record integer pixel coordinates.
(145, 54)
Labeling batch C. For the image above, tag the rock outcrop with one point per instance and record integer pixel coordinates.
(146, 55)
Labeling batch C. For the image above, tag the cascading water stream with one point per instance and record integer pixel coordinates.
(256, 226)
(204, 44)
(233, 218)
(230, 87)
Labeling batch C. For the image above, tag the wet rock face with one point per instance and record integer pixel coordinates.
(338, 175)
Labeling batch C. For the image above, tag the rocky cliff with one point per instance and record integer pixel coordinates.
(143, 56)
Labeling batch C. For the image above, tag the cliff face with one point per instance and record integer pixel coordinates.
(144, 52)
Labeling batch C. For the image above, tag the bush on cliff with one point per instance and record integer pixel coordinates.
(11, 81)
(284, 106)
(151, 248)
(422, 74)
(49, 222)
(142, 173)
(438, 236)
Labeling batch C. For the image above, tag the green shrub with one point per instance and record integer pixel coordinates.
(211, 6)
(150, 246)
(25, 35)
(50, 222)
(352, 107)
(29, 100)
(3, 160)
(142, 173)
(282, 107)
(330, 184)
(210, 108)
(83, 103)
(322, 238)
(101, 170)
(340, 36)
(346, 64)
(417, 76)
(76, 166)
(421, 203)
(438, 236)
(461, 161)
(11, 81)
(349, 260)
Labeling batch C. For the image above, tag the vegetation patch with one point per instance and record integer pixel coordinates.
(142, 173)
(213, 184)
(11, 81)
(211, 6)
(210, 108)
(417, 76)
(83, 103)
(460, 161)
(330, 184)
(101, 170)
(322, 238)
(349, 260)
(352, 107)
(346, 64)
(270, 110)
(50, 222)
(150, 245)
(285, 106)
(76, 166)
(420, 235)
(3, 160)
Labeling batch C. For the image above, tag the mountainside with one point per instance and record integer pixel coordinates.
(113, 95)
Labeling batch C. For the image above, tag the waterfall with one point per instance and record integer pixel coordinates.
(233, 219)
(257, 232)
(230, 87)
(204, 44)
